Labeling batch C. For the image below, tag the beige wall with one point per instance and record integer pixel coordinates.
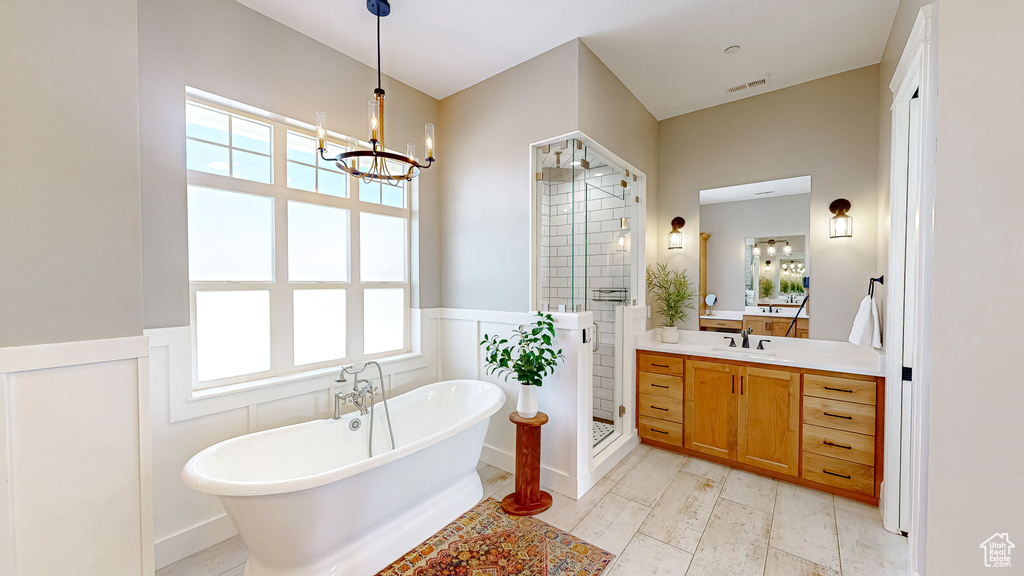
(975, 471)
(70, 246)
(227, 49)
(827, 128)
(610, 114)
(486, 255)
(485, 167)
(731, 223)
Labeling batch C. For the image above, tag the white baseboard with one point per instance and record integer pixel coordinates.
(199, 537)
(558, 481)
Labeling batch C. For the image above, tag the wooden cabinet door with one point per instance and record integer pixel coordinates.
(710, 421)
(769, 420)
(759, 324)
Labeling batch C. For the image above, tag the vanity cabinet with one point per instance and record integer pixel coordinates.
(745, 414)
(660, 398)
(813, 428)
(776, 326)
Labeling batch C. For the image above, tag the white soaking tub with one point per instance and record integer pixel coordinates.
(308, 501)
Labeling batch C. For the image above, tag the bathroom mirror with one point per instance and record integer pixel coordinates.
(711, 299)
(756, 238)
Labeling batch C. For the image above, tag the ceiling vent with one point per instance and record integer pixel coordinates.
(762, 81)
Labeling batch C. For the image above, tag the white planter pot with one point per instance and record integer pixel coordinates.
(527, 404)
(669, 335)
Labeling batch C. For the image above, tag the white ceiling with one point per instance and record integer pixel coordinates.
(669, 53)
(757, 190)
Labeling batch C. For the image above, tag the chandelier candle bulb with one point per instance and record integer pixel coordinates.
(321, 129)
(373, 120)
(410, 150)
(429, 130)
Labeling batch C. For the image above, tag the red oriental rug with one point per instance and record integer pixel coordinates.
(487, 542)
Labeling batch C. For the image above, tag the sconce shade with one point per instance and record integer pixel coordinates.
(622, 237)
(841, 224)
(756, 250)
(771, 247)
(675, 237)
(787, 249)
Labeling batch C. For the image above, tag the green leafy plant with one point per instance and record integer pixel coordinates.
(672, 291)
(767, 287)
(527, 355)
(785, 286)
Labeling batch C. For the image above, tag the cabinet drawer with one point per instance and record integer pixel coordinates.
(709, 323)
(859, 418)
(660, 364)
(837, 388)
(661, 385)
(661, 408)
(841, 445)
(661, 430)
(839, 473)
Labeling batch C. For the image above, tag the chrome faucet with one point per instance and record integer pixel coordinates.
(746, 336)
(360, 388)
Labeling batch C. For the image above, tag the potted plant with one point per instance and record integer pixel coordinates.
(767, 287)
(673, 292)
(527, 356)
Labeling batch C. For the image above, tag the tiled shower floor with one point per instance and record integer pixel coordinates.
(664, 514)
(601, 431)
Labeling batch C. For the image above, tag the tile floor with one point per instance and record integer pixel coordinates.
(664, 514)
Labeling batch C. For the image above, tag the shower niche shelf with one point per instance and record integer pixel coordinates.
(610, 295)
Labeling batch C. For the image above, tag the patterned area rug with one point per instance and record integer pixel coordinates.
(487, 542)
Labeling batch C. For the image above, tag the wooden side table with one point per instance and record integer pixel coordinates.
(528, 499)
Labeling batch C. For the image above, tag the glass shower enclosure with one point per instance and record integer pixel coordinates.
(586, 208)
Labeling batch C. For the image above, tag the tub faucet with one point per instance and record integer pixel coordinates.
(357, 396)
(746, 336)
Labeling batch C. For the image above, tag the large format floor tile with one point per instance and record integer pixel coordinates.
(683, 512)
(735, 542)
(496, 481)
(785, 564)
(805, 525)
(751, 490)
(627, 463)
(612, 523)
(646, 481)
(705, 468)
(565, 513)
(646, 556)
(867, 549)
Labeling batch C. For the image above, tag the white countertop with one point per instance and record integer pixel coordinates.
(790, 352)
(724, 315)
(777, 312)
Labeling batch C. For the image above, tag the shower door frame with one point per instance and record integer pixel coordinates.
(624, 366)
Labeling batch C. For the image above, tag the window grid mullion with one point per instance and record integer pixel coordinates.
(282, 334)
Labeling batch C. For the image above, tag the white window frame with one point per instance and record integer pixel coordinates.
(281, 290)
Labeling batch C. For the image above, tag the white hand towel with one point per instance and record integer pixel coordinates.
(866, 329)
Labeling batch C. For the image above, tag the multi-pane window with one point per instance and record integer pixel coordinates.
(287, 271)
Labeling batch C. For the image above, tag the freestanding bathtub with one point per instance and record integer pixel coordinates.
(307, 501)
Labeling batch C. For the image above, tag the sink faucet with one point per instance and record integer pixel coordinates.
(746, 336)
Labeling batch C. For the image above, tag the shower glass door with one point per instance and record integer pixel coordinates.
(586, 260)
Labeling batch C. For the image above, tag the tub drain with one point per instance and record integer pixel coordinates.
(354, 424)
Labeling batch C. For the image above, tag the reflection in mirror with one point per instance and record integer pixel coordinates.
(756, 238)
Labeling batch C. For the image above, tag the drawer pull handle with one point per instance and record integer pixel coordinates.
(659, 408)
(660, 365)
(659, 386)
(834, 474)
(839, 416)
(658, 431)
(838, 390)
(834, 445)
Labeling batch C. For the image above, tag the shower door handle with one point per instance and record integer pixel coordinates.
(594, 339)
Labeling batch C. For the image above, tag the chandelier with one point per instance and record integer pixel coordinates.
(377, 164)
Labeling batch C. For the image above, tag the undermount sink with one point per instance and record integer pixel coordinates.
(750, 352)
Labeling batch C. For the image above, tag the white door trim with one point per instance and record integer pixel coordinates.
(917, 70)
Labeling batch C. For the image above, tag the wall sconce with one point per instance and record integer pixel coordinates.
(771, 247)
(840, 225)
(675, 237)
(756, 250)
(787, 249)
(767, 265)
(622, 241)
